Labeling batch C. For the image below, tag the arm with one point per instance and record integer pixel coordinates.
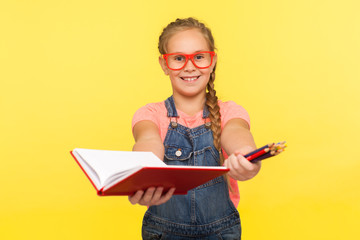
(147, 138)
(237, 140)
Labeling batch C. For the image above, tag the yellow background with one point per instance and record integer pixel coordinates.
(73, 73)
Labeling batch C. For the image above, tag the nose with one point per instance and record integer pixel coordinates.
(189, 66)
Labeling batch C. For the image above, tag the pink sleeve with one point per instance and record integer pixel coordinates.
(147, 112)
(230, 110)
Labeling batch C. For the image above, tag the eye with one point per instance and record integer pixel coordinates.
(179, 58)
(199, 57)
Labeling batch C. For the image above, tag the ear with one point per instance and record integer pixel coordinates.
(162, 62)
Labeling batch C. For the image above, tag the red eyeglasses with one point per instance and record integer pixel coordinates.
(177, 61)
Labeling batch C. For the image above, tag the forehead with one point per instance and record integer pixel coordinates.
(187, 41)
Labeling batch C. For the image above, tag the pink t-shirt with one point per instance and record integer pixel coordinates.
(157, 113)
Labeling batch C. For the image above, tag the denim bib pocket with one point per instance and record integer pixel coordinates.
(207, 156)
(177, 153)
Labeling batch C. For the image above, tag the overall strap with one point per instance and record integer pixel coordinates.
(170, 106)
(171, 109)
(206, 112)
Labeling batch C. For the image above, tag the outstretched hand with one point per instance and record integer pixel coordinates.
(240, 168)
(152, 196)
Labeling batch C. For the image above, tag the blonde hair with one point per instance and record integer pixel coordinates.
(211, 98)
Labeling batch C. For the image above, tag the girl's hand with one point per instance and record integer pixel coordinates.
(152, 196)
(240, 168)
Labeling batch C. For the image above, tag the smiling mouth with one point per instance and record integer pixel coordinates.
(190, 79)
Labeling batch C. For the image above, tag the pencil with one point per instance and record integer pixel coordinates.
(258, 154)
(274, 150)
(267, 155)
(259, 149)
(262, 157)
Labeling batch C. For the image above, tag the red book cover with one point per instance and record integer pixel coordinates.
(183, 178)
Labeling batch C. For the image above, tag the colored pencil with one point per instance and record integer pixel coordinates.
(271, 150)
(259, 149)
(258, 154)
(262, 157)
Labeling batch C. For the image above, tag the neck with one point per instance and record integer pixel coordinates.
(190, 105)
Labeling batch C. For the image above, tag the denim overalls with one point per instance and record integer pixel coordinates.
(206, 212)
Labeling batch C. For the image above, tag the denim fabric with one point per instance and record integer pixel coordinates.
(205, 212)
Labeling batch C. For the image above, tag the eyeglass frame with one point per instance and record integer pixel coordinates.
(188, 56)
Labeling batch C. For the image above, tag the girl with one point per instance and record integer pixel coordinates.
(192, 127)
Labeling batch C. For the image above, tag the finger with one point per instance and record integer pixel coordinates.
(250, 169)
(257, 164)
(148, 196)
(228, 162)
(236, 153)
(157, 195)
(136, 197)
(167, 196)
(239, 171)
(237, 167)
(246, 164)
(228, 165)
(233, 171)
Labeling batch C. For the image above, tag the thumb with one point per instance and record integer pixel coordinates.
(237, 153)
(225, 163)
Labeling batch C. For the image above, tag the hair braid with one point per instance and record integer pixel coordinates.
(215, 116)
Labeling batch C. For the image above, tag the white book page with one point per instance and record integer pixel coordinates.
(89, 170)
(106, 163)
(118, 177)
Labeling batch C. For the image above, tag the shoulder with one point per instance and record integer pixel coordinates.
(152, 107)
(230, 110)
(231, 106)
(151, 111)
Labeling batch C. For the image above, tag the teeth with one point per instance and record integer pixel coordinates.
(189, 78)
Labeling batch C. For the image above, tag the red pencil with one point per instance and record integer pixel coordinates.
(258, 154)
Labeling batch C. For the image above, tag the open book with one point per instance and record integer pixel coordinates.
(124, 172)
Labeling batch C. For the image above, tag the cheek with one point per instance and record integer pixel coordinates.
(174, 74)
(206, 72)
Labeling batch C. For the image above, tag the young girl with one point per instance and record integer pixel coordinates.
(192, 127)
